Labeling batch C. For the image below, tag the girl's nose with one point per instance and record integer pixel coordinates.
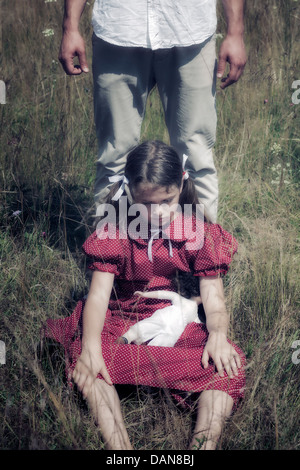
(157, 213)
(162, 211)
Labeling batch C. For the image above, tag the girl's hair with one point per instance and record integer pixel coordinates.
(159, 164)
(153, 162)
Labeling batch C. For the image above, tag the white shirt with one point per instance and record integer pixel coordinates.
(154, 24)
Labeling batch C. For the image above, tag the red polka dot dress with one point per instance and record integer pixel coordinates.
(144, 265)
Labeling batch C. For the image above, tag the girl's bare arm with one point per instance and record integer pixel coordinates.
(217, 321)
(90, 362)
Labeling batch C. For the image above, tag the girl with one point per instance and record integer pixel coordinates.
(202, 360)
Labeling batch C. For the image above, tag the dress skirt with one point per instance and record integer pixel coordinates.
(178, 368)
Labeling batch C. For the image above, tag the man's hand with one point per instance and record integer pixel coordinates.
(233, 51)
(72, 45)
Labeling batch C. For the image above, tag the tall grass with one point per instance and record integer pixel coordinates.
(48, 151)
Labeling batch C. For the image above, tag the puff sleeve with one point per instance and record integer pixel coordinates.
(216, 253)
(105, 255)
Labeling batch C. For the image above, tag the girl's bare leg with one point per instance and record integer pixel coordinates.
(214, 407)
(105, 406)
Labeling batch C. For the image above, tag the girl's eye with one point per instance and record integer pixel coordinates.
(166, 201)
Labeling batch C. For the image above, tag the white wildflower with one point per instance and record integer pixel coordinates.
(276, 149)
(48, 32)
(16, 213)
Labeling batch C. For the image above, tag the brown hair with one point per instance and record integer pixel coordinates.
(155, 162)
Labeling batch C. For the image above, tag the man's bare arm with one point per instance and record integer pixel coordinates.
(72, 43)
(232, 49)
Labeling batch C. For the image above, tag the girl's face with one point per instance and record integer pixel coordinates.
(158, 200)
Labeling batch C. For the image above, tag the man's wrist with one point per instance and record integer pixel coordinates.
(70, 26)
(235, 32)
(234, 12)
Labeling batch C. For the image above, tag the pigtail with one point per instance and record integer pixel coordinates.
(109, 200)
(189, 196)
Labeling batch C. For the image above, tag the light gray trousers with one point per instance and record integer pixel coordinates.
(185, 77)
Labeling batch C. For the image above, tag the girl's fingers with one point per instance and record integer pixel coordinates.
(218, 364)
(229, 369)
(227, 360)
(87, 386)
(106, 376)
(232, 365)
(80, 377)
(205, 358)
(81, 381)
(75, 376)
(235, 364)
(238, 361)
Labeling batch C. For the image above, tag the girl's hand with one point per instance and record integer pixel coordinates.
(89, 365)
(222, 353)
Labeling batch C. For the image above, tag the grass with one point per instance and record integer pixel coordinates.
(47, 157)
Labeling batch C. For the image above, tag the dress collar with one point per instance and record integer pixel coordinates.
(181, 229)
(155, 233)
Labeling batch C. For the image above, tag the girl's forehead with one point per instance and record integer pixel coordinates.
(149, 191)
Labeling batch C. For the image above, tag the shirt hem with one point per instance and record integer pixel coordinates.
(152, 47)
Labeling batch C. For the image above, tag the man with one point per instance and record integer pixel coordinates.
(137, 44)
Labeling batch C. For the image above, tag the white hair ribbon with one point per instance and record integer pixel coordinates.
(185, 172)
(114, 179)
